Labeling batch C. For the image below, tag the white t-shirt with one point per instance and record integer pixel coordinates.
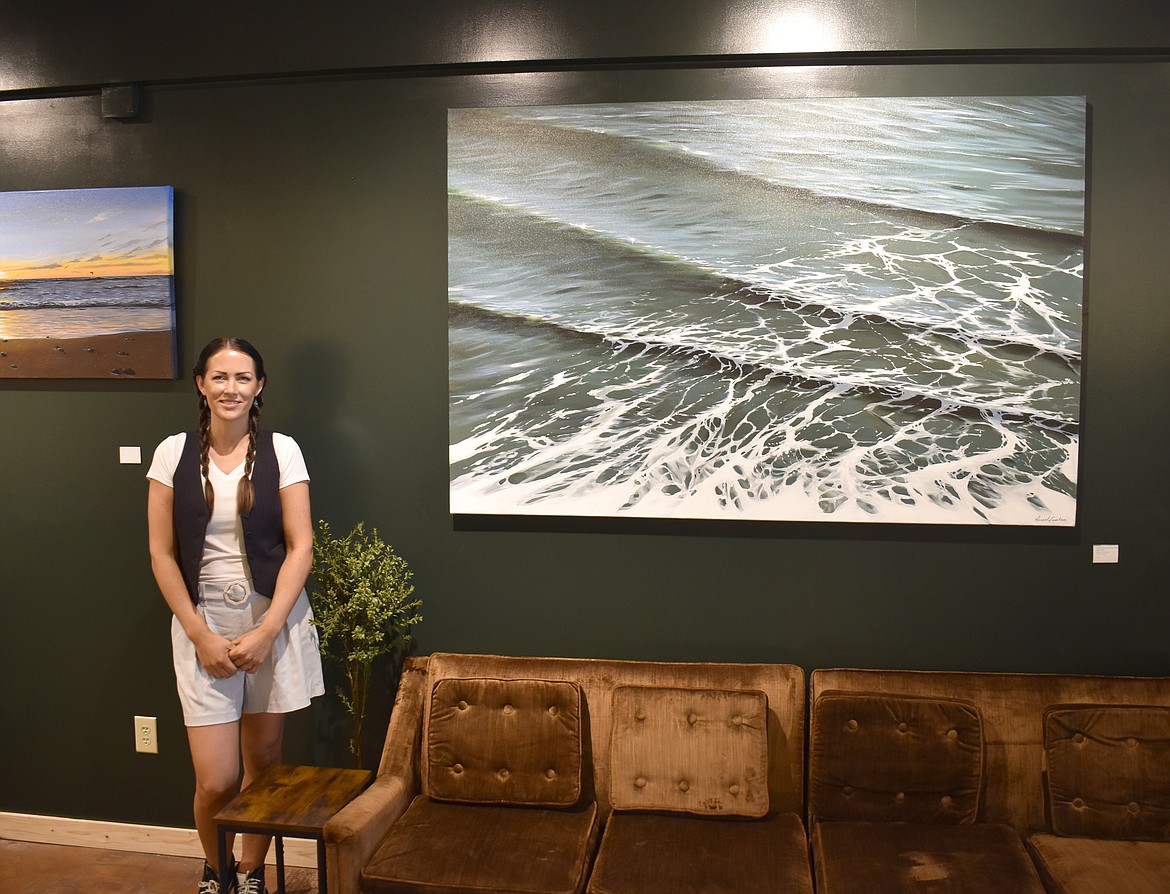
(224, 559)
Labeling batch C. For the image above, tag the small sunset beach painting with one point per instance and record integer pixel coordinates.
(87, 284)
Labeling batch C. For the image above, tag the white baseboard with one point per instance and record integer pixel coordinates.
(164, 840)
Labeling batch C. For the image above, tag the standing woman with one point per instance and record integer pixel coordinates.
(231, 545)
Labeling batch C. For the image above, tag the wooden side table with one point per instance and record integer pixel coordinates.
(289, 800)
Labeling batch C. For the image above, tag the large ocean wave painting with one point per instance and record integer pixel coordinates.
(843, 309)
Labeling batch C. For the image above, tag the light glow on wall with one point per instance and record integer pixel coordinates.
(804, 28)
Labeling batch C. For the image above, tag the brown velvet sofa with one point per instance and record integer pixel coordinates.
(971, 783)
(588, 776)
(536, 775)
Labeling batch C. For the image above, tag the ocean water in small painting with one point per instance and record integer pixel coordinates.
(86, 306)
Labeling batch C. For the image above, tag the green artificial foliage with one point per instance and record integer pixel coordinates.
(363, 608)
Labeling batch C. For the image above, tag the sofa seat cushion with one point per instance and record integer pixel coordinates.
(504, 742)
(648, 853)
(701, 751)
(1109, 771)
(898, 858)
(893, 758)
(439, 847)
(1094, 866)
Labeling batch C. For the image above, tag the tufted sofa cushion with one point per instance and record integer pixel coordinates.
(699, 751)
(675, 853)
(514, 742)
(1109, 771)
(1098, 866)
(922, 858)
(893, 758)
(440, 847)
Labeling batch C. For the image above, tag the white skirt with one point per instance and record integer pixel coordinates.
(285, 682)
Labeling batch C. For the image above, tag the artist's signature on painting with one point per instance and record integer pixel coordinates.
(1050, 520)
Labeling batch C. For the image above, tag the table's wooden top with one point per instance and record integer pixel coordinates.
(293, 800)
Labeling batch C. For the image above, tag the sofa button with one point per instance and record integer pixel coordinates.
(900, 797)
(692, 718)
(462, 706)
(1131, 742)
(554, 710)
(508, 709)
(948, 801)
(1079, 738)
(1133, 808)
(737, 720)
(1078, 804)
(852, 724)
(734, 789)
(684, 786)
(641, 715)
(640, 782)
(903, 727)
(847, 791)
(457, 769)
(952, 734)
(550, 773)
(503, 774)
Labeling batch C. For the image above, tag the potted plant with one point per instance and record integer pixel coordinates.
(363, 610)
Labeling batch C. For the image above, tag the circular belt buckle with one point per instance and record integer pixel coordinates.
(236, 593)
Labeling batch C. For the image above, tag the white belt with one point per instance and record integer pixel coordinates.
(234, 593)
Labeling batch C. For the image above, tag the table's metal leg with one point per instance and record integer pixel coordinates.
(279, 864)
(225, 860)
(322, 875)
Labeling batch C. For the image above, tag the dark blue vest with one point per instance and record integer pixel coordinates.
(263, 526)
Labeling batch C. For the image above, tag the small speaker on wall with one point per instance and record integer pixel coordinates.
(120, 101)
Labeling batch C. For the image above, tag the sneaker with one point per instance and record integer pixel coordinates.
(210, 883)
(252, 883)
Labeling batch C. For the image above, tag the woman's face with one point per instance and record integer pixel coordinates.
(230, 384)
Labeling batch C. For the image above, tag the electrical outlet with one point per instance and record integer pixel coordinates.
(146, 734)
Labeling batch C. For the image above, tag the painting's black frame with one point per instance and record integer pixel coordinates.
(713, 72)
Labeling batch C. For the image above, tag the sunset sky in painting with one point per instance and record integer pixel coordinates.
(85, 232)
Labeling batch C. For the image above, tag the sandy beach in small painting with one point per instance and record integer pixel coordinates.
(126, 355)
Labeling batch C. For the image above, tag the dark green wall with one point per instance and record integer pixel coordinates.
(311, 218)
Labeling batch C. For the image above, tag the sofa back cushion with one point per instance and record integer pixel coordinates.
(1109, 770)
(504, 742)
(893, 758)
(1011, 707)
(784, 685)
(701, 751)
